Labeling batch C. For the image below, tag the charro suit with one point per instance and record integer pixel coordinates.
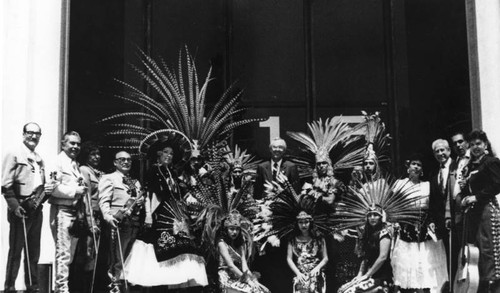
(114, 192)
(265, 173)
(62, 216)
(18, 183)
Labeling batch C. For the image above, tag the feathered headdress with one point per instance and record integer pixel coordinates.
(215, 203)
(177, 101)
(241, 159)
(286, 209)
(395, 201)
(376, 138)
(333, 134)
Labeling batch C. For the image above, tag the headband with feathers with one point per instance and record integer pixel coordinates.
(395, 201)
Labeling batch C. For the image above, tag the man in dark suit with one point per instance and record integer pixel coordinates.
(441, 203)
(22, 178)
(268, 170)
(276, 275)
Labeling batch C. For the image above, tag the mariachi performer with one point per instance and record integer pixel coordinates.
(372, 210)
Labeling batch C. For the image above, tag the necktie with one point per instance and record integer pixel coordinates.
(275, 170)
(441, 179)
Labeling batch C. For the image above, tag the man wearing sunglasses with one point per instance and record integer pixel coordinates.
(120, 201)
(63, 213)
(23, 178)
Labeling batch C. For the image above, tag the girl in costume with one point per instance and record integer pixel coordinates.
(307, 257)
(233, 244)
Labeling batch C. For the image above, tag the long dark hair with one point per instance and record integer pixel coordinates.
(236, 243)
(481, 135)
(370, 236)
(313, 232)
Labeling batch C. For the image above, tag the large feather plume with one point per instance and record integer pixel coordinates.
(333, 134)
(398, 201)
(177, 101)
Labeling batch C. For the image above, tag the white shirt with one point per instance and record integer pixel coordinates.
(34, 159)
(278, 168)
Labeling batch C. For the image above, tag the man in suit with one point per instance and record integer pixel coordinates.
(117, 192)
(276, 275)
(268, 170)
(23, 177)
(441, 204)
(68, 190)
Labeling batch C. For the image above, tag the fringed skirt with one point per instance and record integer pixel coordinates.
(312, 285)
(232, 285)
(184, 270)
(419, 265)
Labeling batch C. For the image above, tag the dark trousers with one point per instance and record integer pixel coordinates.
(16, 245)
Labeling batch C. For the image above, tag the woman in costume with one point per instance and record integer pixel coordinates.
(233, 243)
(307, 257)
(482, 210)
(418, 259)
(372, 209)
(375, 244)
(167, 250)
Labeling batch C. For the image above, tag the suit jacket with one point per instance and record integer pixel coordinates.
(18, 175)
(437, 200)
(69, 178)
(91, 179)
(265, 173)
(114, 193)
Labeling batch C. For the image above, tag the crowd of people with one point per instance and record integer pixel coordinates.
(176, 232)
(210, 217)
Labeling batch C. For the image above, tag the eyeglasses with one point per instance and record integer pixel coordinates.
(38, 133)
(123, 160)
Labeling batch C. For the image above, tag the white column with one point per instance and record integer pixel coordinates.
(32, 79)
(484, 48)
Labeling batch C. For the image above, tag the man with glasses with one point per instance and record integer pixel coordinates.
(120, 200)
(63, 213)
(23, 181)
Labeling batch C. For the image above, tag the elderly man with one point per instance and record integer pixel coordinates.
(120, 200)
(441, 204)
(267, 171)
(23, 188)
(68, 190)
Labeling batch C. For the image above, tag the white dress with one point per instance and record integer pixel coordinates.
(419, 263)
(142, 267)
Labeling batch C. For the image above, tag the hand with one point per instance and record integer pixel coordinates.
(447, 224)
(140, 201)
(432, 227)
(20, 212)
(81, 190)
(95, 230)
(49, 187)
(469, 200)
(111, 220)
(314, 272)
(302, 278)
(462, 183)
(281, 178)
